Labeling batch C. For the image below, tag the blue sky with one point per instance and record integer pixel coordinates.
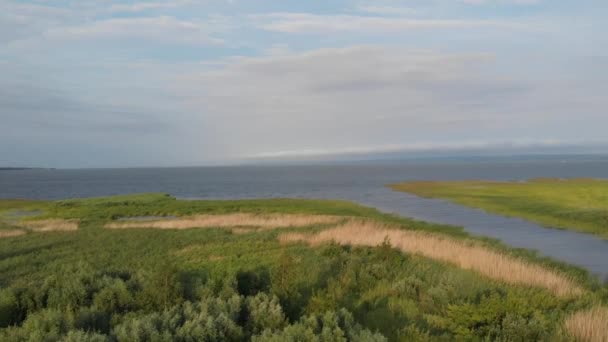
(127, 83)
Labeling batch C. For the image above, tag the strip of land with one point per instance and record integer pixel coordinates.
(573, 204)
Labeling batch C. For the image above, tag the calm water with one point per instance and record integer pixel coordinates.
(360, 183)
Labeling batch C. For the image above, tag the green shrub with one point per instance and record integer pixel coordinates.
(327, 327)
(46, 325)
(264, 312)
(9, 307)
(163, 290)
(114, 298)
(83, 336)
(69, 289)
(207, 320)
(89, 319)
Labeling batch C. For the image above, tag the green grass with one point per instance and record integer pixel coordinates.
(100, 284)
(574, 204)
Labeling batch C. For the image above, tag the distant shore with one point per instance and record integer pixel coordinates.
(23, 168)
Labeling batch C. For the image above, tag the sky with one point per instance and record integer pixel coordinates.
(107, 83)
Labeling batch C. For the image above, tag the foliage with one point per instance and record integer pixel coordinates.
(328, 327)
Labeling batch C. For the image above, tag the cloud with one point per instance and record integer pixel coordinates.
(27, 25)
(146, 79)
(389, 10)
(163, 28)
(37, 109)
(351, 99)
(144, 6)
(348, 97)
(510, 2)
(314, 23)
(22, 20)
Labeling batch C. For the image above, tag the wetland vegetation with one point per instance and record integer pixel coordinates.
(575, 204)
(273, 270)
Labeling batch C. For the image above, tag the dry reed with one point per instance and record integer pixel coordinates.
(589, 325)
(243, 230)
(262, 222)
(467, 255)
(50, 225)
(11, 233)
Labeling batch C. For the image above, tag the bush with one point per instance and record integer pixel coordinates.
(163, 290)
(46, 325)
(89, 319)
(264, 312)
(331, 326)
(518, 328)
(499, 316)
(9, 308)
(69, 289)
(207, 320)
(83, 336)
(115, 298)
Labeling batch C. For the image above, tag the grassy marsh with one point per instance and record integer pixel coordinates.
(464, 254)
(574, 204)
(422, 283)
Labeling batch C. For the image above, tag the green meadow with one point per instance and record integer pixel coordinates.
(80, 270)
(575, 204)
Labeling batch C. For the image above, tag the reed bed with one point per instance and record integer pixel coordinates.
(261, 222)
(589, 325)
(11, 233)
(467, 255)
(50, 225)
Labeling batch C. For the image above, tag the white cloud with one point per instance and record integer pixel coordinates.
(348, 100)
(533, 84)
(344, 97)
(313, 23)
(144, 6)
(513, 2)
(389, 10)
(21, 20)
(163, 28)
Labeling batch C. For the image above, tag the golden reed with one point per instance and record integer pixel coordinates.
(589, 325)
(50, 225)
(467, 255)
(269, 221)
(10, 233)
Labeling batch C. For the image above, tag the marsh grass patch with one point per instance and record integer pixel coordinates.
(6, 233)
(590, 325)
(464, 254)
(243, 222)
(50, 225)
